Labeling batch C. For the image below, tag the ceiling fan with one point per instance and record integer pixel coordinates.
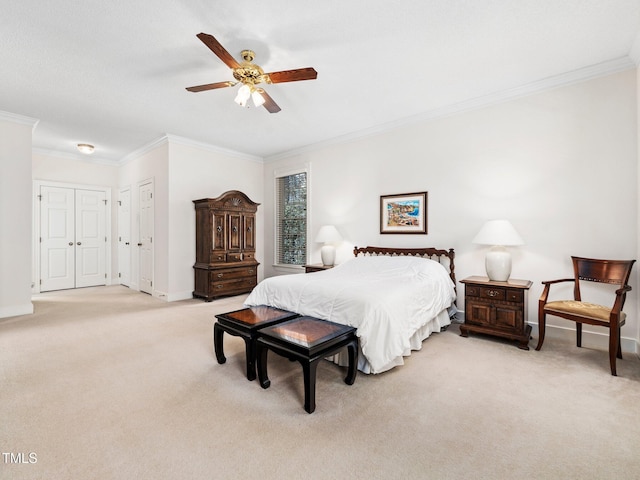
(249, 75)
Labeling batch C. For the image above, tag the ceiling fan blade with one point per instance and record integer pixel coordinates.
(292, 75)
(218, 49)
(269, 104)
(211, 86)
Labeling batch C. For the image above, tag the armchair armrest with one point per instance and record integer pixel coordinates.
(624, 289)
(550, 282)
(621, 295)
(547, 286)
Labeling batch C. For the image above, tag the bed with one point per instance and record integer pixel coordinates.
(395, 298)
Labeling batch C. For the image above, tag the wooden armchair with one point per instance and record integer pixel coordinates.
(615, 272)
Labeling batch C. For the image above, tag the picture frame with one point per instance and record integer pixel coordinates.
(404, 213)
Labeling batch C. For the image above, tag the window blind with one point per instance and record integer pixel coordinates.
(291, 219)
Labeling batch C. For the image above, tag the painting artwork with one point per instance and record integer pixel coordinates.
(403, 213)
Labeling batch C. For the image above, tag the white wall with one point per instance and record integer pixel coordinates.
(560, 165)
(15, 215)
(198, 172)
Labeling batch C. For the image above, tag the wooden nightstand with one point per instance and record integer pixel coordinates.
(497, 308)
(316, 267)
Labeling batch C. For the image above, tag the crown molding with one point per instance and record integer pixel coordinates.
(71, 156)
(143, 150)
(21, 119)
(212, 148)
(166, 139)
(175, 139)
(562, 80)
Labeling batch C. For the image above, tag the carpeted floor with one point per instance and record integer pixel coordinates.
(108, 383)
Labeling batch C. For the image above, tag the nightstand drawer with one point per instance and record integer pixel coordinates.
(471, 291)
(515, 296)
(493, 293)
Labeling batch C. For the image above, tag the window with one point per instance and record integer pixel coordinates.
(291, 219)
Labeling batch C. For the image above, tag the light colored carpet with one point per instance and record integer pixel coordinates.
(108, 383)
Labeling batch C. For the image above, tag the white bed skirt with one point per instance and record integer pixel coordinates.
(435, 325)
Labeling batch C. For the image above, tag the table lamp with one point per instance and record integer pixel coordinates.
(499, 234)
(328, 235)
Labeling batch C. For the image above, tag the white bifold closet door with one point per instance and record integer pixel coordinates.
(72, 238)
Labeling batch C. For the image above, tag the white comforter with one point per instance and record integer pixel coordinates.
(388, 299)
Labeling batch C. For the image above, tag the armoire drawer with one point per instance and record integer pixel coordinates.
(234, 285)
(218, 257)
(231, 273)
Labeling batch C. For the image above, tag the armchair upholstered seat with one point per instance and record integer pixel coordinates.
(614, 272)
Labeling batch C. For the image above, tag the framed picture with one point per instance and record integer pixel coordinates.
(403, 213)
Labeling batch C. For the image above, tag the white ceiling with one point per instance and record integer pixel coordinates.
(114, 73)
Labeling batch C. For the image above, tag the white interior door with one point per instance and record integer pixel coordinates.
(91, 239)
(57, 238)
(124, 237)
(145, 242)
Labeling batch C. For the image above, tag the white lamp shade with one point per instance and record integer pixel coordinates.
(243, 95)
(498, 232)
(258, 99)
(328, 234)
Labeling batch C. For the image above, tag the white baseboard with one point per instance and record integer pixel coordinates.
(599, 340)
(173, 297)
(16, 310)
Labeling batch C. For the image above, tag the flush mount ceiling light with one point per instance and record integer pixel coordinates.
(85, 148)
(249, 75)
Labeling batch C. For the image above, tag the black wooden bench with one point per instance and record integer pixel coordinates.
(307, 340)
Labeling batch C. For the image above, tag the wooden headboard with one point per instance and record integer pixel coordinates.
(439, 255)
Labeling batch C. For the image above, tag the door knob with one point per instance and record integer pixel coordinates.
(126, 243)
(71, 244)
(79, 243)
(139, 244)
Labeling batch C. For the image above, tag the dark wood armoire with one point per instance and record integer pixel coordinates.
(225, 245)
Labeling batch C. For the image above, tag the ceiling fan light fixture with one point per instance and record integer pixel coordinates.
(258, 99)
(243, 95)
(86, 148)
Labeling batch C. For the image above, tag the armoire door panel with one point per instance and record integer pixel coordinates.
(249, 233)
(235, 231)
(219, 231)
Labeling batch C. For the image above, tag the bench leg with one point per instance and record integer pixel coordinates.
(250, 349)
(261, 364)
(309, 371)
(218, 333)
(352, 349)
